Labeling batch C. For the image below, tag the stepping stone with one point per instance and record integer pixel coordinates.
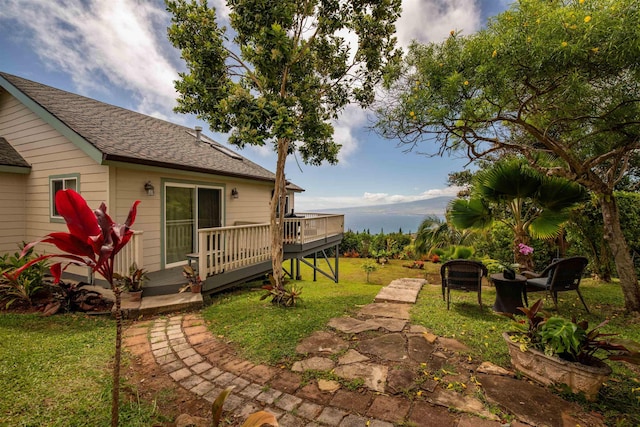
(328, 385)
(533, 404)
(452, 344)
(374, 376)
(322, 342)
(388, 323)
(386, 309)
(419, 348)
(417, 329)
(491, 369)
(352, 356)
(313, 364)
(385, 347)
(460, 402)
(349, 325)
(409, 283)
(401, 381)
(401, 291)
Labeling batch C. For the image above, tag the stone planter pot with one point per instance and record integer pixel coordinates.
(548, 370)
(134, 295)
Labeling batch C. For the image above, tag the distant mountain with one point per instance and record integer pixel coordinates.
(434, 206)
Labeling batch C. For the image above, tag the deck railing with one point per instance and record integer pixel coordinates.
(130, 253)
(227, 248)
(312, 227)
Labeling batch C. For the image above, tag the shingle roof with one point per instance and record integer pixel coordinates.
(124, 135)
(9, 156)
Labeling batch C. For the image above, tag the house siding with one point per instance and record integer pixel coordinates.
(49, 154)
(252, 205)
(24, 199)
(12, 208)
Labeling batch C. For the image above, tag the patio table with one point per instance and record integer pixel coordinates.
(509, 293)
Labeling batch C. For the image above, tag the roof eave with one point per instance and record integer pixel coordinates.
(24, 170)
(164, 165)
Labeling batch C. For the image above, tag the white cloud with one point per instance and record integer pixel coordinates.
(112, 39)
(122, 43)
(222, 11)
(432, 20)
(351, 119)
(421, 20)
(306, 203)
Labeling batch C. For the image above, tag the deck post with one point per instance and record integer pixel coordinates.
(337, 262)
(315, 264)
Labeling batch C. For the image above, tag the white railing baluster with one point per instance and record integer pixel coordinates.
(131, 253)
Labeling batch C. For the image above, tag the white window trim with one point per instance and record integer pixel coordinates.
(64, 179)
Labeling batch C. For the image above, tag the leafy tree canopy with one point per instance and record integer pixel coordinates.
(285, 69)
(560, 77)
(556, 81)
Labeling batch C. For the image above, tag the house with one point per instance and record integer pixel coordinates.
(195, 193)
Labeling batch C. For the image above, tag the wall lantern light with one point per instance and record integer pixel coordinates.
(234, 193)
(148, 187)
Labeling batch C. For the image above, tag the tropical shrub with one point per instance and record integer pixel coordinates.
(24, 287)
(350, 242)
(497, 244)
(134, 280)
(461, 252)
(94, 240)
(285, 295)
(369, 266)
(72, 297)
(569, 339)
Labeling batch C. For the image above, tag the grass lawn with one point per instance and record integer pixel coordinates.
(264, 333)
(55, 371)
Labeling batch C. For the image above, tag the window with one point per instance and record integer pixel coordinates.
(60, 183)
(286, 204)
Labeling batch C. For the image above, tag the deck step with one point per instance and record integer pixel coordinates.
(152, 305)
(160, 304)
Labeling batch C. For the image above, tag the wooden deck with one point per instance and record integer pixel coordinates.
(239, 254)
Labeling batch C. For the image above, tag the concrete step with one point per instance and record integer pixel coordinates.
(152, 305)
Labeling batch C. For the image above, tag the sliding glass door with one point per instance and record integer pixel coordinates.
(188, 208)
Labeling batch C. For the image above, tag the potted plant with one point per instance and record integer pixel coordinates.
(133, 282)
(194, 283)
(554, 350)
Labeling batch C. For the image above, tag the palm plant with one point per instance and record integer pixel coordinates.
(434, 233)
(530, 204)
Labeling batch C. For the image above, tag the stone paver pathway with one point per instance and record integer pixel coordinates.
(410, 376)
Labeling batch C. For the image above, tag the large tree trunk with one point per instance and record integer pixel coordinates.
(621, 254)
(277, 215)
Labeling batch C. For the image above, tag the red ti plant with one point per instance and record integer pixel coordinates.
(93, 240)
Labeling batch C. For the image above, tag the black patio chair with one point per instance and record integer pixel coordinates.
(559, 276)
(464, 275)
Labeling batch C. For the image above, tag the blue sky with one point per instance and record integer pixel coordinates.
(117, 51)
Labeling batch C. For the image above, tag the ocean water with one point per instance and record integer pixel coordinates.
(377, 223)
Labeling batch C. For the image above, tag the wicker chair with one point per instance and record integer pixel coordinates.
(464, 275)
(559, 276)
